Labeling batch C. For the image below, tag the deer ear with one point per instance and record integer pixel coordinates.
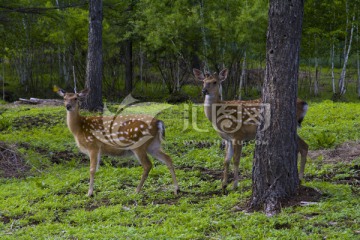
(223, 74)
(59, 91)
(83, 93)
(198, 74)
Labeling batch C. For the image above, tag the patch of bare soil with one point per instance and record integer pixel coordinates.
(57, 157)
(12, 164)
(41, 120)
(305, 196)
(207, 174)
(345, 152)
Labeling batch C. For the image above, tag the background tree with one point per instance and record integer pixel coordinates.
(94, 66)
(275, 175)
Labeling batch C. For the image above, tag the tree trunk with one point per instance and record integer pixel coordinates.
(275, 175)
(332, 68)
(243, 75)
(358, 61)
(3, 79)
(342, 88)
(177, 77)
(358, 75)
(128, 67)
(93, 100)
(141, 65)
(316, 81)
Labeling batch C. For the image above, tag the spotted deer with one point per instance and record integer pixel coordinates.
(113, 135)
(235, 122)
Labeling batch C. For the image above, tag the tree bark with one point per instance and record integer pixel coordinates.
(275, 175)
(94, 70)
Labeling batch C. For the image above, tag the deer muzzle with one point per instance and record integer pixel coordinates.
(204, 91)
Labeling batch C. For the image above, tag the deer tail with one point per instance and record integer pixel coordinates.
(161, 130)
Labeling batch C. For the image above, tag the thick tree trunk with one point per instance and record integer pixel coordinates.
(275, 175)
(94, 58)
(128, 67)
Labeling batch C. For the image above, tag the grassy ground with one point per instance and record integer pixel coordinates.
(50, 203)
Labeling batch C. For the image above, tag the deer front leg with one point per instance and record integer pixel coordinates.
(303, 149)
(229, 154)
(237, 156)
(146, 164)
(94, 159)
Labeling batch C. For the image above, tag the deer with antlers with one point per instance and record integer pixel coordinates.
(237, 121)
(113, 135)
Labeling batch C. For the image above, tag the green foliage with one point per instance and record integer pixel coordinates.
(4, 123)
(42, 41)
(325, 140)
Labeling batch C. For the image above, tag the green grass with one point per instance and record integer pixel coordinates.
(328, 124)
(51, 203)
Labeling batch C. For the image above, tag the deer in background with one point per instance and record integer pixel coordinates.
(234, 130)
(113, 135)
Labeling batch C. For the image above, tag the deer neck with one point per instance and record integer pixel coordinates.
(210, 99)
(73, 120)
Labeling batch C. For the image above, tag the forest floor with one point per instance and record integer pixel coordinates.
(44, 180)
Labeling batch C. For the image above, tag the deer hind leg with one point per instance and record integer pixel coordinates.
(94, 158)
(303, 149)
(229, 154)
(163, 157)
(237, 155)
(98, 161)
(145, 163)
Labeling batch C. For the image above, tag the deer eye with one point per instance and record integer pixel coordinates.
(214, 83)
(75, 99)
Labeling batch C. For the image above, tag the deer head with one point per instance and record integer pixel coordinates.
(71, 100)
(211, 83)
